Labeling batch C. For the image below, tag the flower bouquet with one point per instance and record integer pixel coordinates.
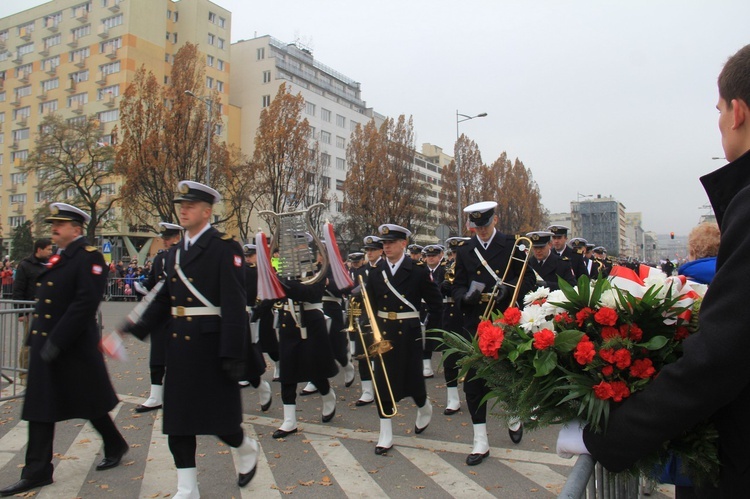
(577, 352)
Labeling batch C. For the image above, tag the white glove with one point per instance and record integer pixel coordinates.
(570, 439)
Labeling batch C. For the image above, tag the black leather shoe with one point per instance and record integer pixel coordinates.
(304, 393)
(474, 459)
(145, 408)
(265, 407)
(283, 433)
(244, 478)
(418, 430)
(327, 418)
(113, 460)
(382, 450)
(360, 403)
(450, 412)
(23, 485)
(349, 383)
(516, 436)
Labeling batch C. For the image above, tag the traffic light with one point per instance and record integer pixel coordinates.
(671, 235)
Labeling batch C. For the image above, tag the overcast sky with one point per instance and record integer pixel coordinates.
(595, 97)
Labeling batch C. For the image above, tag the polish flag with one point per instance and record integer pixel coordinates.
(340, 275)
(269, 287)
(626, 279)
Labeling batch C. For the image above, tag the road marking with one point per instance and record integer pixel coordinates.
(160, 475)
(346, 470)
(263, 483)
(443, 474)
(13, 442)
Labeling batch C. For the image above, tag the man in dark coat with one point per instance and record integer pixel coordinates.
(480, 264)
(708, 381)
(67, 375)
(432, 255)
(560, 246)
(204, 296)
(24, 289)
(396, 289)
(546, 263)
(170, 235)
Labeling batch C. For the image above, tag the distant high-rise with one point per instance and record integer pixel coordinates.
(601, 221)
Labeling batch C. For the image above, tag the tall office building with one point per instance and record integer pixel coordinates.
(601, 221)
(76, 59)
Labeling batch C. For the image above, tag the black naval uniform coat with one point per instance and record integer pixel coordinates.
(576, 260)
(333, 299)
(552, 267)
(311, 358)
(404, 362)
(76, 383)
(199, 396)
(256, 365)
(158, 354)
(709, 381)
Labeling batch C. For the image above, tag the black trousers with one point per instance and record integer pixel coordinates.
(42, 434)
(475, 390)
(183, 447)
(289, 390)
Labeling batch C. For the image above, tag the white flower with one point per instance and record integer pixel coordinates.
(538, 294)
(534, 318)
(609, 299)
(655, 279)
(556, 296)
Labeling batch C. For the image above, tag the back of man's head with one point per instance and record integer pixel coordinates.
(734, 79)
(41, 244)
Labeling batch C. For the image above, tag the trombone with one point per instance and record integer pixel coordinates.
(522, 244)
(377, 349)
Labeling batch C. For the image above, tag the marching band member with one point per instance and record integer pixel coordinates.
(546, 263)
(396, 289)
(433, 256)
(559, 243)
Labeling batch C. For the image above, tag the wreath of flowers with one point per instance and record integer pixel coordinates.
(579, 351)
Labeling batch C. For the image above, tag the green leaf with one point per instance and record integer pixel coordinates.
(654, 343)
(545, 362)
(566, 341)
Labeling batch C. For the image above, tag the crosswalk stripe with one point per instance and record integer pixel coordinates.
(13, 441)
(344, 467)
(71, 472)
(443, 474)
(263, 482)
(541, 474)
(160, 476)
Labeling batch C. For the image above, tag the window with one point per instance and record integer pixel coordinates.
(266, 101)
(219, 86)
(51, 63)
(43, 196)
(168, 33)
(51, 41)
(340, 121)
(309, 107)
(325, 160)
(18, 198)
(113, 21)
(261, 53)
(53, 20)
(1, 162)
(325, 114)
(211, 39)
(113, 90)
(2, 96)
(20, 134)
(25, 28)
(110, 45)
(325, 137)
(77, 121)
(111, 68)
(17, 178)
(26, 49)
(326, 181)
(174, 37)
(339, 206)
(220, 43)
(340, 142)
(176, 15)
(220, 65)
(23, 91)
(23, 70)
(169, 14)
(21, 113)
(81, 31)
(80, 9)
(340, 164)
(209, 82)
(48, 85)
(212, 17)
(79, 55)
(108, 116)
(16, 221)
(267, 79)
(353, 125)
(48, 107)
(81, 98)
(80, 76)
(222, 22)
(210, 60)
(339, 184)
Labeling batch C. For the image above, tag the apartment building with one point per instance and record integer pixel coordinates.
(76, 58)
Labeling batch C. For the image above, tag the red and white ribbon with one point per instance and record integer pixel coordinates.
(340, 274)
(269, 287)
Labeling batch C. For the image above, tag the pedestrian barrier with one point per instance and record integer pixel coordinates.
(121, 289)
(589, 480)
(12, 334)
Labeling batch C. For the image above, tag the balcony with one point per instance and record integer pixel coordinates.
(51, 25)
(70, 86)
(25, 34)
(2, 45)
(79, 61)
(77, 107)
(23, 121)
(19, 59)
(14, 187)
(101, 78)
(14, 145)
(109, 100)
(44, 52)
(103, 31)
(82, 15)
(16, 101)
(72, 40)
(42, 96)
(24, 76)
(115, 7)
(18, 207)
(110, 52)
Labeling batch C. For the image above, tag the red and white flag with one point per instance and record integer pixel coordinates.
(269, 287)
(340, 275)
(626, 279)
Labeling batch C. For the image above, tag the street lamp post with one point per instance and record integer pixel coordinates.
(460, 118)
(209, 131)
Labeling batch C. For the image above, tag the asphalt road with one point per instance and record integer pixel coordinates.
(329, 460)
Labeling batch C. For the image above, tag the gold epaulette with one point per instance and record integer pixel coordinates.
(564, 258)
(252, 265)
(91, 249)
(225, 237)
(420, 262)
(443, 263)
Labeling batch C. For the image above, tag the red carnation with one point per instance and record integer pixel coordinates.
(609, 332)
(544, 339)
(584, 351)
(604, 390)
(608, 355)
(563, 318)
(582, 315)
(606, 316)
(681, 333)
(642, 368)
(631, 331)
(608, 370)
(620, 390)
(490, 339)
(511, 317)
(622, 358)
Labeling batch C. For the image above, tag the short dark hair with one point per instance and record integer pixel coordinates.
(41, 244)
(734, 79)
